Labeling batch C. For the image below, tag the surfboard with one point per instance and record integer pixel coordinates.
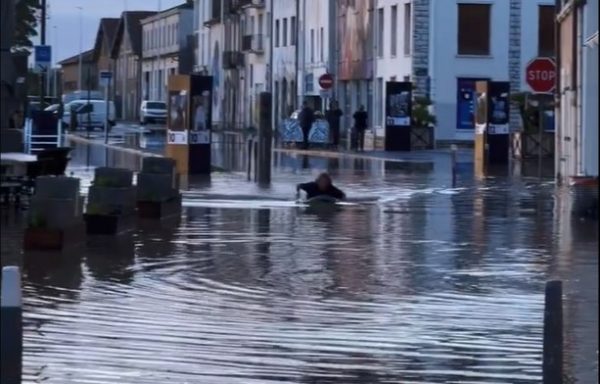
(322, 200)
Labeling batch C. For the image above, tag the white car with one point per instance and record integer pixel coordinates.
(153, 111)
(97, 113)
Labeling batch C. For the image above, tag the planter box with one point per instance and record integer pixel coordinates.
(157, 210)
(43, 239)
(98, 224)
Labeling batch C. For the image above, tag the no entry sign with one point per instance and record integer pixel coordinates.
(326, 81)
(540, 75)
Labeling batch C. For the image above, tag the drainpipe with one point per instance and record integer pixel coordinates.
(578, 13)
(303, 50)
(297, 53)
(557, 92)
(575, 84)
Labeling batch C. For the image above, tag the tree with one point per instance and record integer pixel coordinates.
(25, 24)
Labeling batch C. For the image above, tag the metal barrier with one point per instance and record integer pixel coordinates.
(11, 326)
(36, 143)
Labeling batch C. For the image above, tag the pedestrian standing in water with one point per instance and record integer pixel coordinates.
(333, 116)
(360, 126)
(306, 119)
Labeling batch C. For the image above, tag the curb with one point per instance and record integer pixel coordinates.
(79, 139)
(332, 155)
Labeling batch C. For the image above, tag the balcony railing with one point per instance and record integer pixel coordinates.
(233, 59)
(251, 3)
(253, 43)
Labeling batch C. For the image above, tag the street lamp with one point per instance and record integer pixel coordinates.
(80, 77)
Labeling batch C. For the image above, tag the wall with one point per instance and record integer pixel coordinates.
(390, 67)
(284, 60)
(447, 66)
(590, 91)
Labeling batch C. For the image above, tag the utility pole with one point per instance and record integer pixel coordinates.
(7, 15)
(44, 72)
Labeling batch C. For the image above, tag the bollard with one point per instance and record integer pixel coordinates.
(11, 327)
(552, 366)
(453, 155)
(250, 159)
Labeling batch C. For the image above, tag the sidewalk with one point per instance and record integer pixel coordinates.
(462, 155)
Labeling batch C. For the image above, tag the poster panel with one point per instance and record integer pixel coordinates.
(499, 107)
(398, 104)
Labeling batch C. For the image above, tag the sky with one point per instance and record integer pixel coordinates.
(63, 26)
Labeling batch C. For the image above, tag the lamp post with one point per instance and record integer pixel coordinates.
(54, 70)
(80, 77)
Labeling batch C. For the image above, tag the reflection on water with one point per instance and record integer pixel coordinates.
(426, 285)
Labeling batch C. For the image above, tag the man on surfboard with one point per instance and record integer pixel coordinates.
(322, 186)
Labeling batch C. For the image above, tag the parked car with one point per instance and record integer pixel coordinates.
(153, 111)
(82, 95)
(97, 113)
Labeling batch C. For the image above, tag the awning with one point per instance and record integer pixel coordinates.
(592, 41)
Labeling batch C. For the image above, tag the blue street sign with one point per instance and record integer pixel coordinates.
(43, 57)
(105, 77)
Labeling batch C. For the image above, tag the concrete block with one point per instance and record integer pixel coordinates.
(111, 200)
(113, 177)
(156, 187)
(53, 213)
(57, 187)
(158, 165)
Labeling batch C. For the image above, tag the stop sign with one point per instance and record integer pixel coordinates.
(540, 75)
(326, 81)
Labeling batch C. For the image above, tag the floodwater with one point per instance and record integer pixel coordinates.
(413, 282)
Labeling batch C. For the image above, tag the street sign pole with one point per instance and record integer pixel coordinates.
(105, 80)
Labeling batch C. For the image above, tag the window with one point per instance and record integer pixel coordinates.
(293, 30)
(322, 45)
(379, 92)
(407, 29)
(260, 24)
(474, 29)
(285, 32)
(546, 30)
(380, 32)
(394, 31)
(277, 33)
(250, 30)
(312, 45)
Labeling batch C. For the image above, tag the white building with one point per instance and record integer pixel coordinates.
(445, 46)
(286, 51)
(442, 46)
(167, 49)
(234, 46)
(577, 110)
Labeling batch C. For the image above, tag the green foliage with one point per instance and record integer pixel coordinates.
(37, 220)
(421, 116)
(25, 24)
(529, 111)
(105, 182)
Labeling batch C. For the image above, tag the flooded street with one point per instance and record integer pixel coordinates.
(412, 282)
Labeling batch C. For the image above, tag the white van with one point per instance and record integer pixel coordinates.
(97, 113)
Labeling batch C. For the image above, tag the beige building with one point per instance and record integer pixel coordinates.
(70, 72)
(126, 53)
(167, 49)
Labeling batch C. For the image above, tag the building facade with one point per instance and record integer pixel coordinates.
(167, 49)
(443, 47)
(105, 37)
(577, 96)
(126, 53)
(70, 72)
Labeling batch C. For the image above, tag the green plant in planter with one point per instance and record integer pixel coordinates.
(37, 220)
(529, 111)
(421, 114)
(95, 209)
(105, 182)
